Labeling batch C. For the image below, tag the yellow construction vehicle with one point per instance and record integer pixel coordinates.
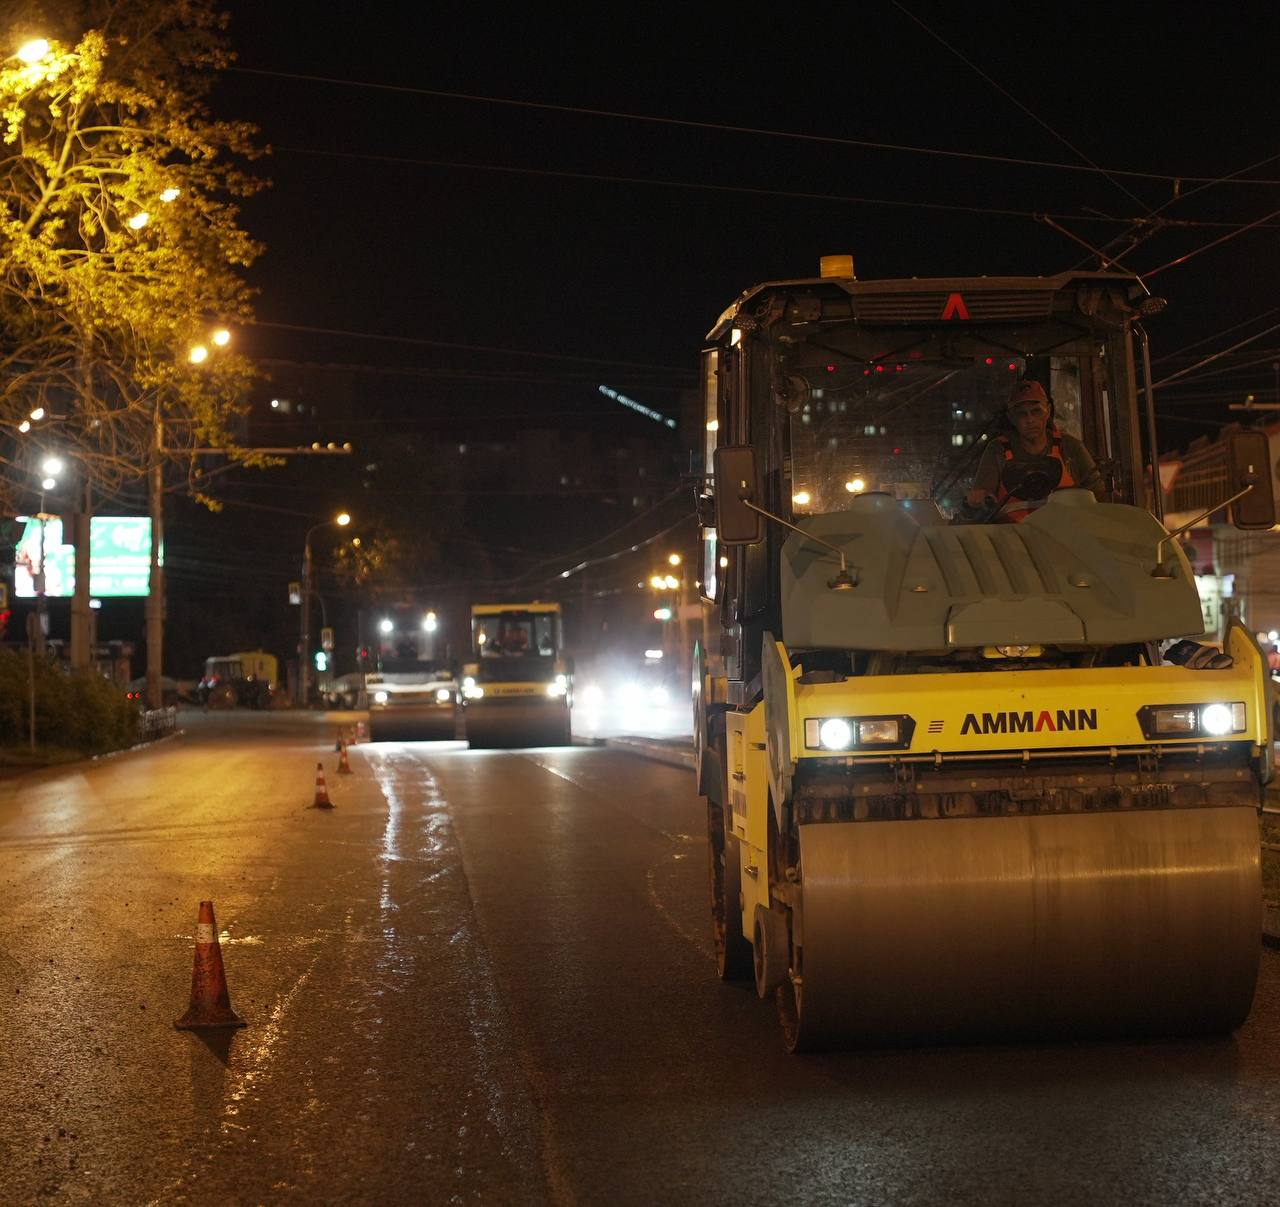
(519, 688)
(965, 778)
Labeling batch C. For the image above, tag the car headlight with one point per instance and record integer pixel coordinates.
(1216, 720)
(443, 694)
(379, 697)
(857, 733)
(556, 690)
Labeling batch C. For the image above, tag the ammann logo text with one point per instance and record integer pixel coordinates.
(1031, 722)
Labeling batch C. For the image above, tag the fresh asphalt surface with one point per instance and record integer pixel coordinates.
(486, 977)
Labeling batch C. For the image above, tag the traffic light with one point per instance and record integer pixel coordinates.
(322, 660)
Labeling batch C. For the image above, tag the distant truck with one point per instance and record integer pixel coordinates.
(244, 680)
(411, 687)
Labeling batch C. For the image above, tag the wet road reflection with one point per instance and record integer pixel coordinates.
(486, 977)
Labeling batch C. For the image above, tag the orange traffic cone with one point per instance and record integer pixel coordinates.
(322, 800)
(337, 742)
(344, 767)
(210, 1001)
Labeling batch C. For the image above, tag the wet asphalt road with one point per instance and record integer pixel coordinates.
(485, 977)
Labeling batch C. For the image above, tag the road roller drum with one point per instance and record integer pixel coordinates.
(1136, 923)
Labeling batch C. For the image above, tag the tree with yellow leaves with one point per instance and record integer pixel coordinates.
(120, 249)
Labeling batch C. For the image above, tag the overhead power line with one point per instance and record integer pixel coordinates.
(417, 341)
(722, 127)
(1004, 92)
(747, 190)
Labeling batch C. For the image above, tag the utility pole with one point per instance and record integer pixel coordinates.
(81, 524)
(81, 613)
(155, 597)
(304, 643)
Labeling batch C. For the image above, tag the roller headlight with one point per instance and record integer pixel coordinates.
(443, 694)
(379, 697)
(1216, 720)
(887, 731)
(556, 689)
(858, 733)
(835, 734)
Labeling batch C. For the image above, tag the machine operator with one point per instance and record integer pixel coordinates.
(1020, 468)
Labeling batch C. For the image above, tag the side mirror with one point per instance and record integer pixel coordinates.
(1249, 465)
(735, 472)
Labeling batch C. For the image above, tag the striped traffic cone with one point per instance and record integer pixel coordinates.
(322, 800)
(210, 1001)
(344, 767)
(337, 742)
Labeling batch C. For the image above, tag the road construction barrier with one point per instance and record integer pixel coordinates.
(322, 800)
(210, 999)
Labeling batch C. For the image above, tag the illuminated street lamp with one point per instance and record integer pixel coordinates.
(139, 220)
(342, 519)
(198, 354)
(221, 337)
(673, 559)
(33, 51)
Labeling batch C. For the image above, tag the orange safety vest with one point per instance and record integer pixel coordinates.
(1021, 508)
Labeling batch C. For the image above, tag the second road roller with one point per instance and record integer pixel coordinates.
(972, 769)
(519, 689)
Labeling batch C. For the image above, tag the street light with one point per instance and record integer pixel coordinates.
(342, 519)
(196, 355)
(33, 51)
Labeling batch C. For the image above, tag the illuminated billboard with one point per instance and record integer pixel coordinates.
(119, 557)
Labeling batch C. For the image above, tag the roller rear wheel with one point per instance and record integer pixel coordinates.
(733, 952)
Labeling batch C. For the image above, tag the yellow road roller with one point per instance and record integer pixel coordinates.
(972, 770)
(518, 689)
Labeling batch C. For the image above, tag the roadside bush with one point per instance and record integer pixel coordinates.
(79, 712)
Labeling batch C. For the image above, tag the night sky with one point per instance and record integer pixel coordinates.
(528, 259)
(491, 256)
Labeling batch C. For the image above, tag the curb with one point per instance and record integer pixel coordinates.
(1271, 924)
(658, 752)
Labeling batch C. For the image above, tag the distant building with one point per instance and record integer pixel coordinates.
(1237, 573)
